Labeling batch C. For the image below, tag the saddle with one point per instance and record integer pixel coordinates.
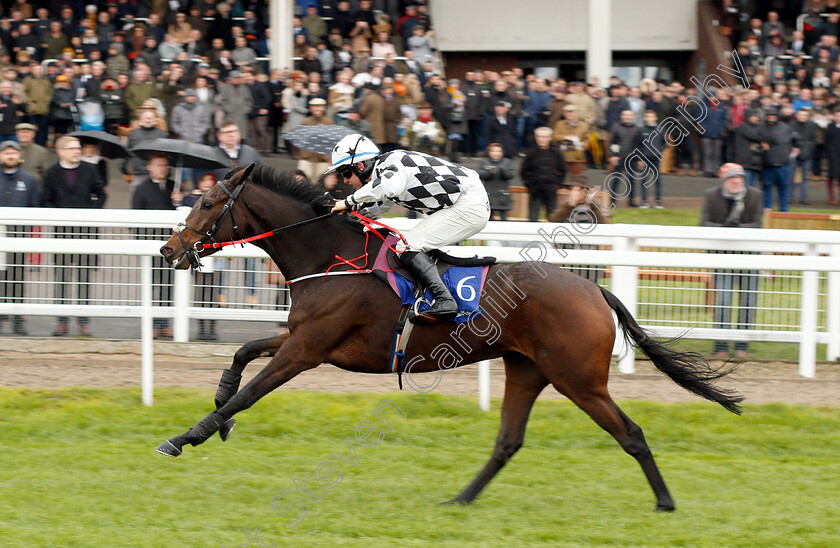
(444, 262)
(390, 270)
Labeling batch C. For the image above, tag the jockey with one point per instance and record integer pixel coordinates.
(453, 197)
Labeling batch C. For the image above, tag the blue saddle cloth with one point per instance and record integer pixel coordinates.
(465, 284)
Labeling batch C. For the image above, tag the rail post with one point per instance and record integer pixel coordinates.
(182, 280)
(808, 319)
(146, 342)
(625, 284)
(832, 305)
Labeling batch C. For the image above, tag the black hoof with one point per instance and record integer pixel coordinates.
(456, 500)
(670, 507)
(226, 429)
(168, 448)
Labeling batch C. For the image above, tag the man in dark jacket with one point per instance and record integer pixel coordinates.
(18, 188)
(616, 105)
(748, 151)
(650, 144)
(151, 56)
(777, 142)
(622, 140)
(473, 112)
(501, 128)
(157, 191)
(804, 141)
(258, 115)
(686, 149)
(711, 140)
(112, 104)
(12, 110)
(147, 131)
(72, 183)
(232, 151)
(275, 112)
(437, 95)
(733, 204)
(543, 170)
(832, 151)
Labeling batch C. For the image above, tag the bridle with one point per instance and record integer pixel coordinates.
(192, 252)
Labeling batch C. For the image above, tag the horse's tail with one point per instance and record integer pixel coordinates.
(688, 369)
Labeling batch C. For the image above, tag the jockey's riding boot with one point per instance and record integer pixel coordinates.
(425, 271)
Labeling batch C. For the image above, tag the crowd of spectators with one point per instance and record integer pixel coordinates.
(198, 71)
(148, 69)
(789, 50)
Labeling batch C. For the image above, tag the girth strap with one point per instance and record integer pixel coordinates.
(402, 335)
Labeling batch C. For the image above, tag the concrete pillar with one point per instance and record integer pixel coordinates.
(598, 50)
(280, 20)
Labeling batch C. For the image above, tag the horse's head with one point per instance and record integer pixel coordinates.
(211, 220)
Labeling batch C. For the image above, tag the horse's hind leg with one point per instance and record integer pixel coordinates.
(229, 383)
(523, 383)
(598, 404)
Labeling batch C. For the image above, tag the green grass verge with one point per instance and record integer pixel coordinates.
(674, 217)
(79, 469)
(670, 217)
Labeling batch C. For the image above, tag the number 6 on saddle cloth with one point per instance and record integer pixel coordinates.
(463, 277)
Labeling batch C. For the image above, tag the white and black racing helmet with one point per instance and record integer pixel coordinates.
(350, 150)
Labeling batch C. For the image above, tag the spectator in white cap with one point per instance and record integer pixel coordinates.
(311, 163)
(733, 204)
(36, 158)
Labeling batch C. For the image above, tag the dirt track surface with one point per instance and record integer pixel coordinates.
(46, 363)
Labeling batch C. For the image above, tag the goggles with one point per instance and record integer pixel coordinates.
(345, 171)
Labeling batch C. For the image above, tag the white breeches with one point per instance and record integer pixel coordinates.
(451, 225)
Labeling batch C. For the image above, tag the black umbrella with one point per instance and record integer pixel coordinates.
(181, 154)
(109, 145)
(320, 139)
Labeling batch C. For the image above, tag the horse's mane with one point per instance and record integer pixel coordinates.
(284, 183)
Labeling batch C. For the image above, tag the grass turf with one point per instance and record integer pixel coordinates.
(79, 469)
(675, 217)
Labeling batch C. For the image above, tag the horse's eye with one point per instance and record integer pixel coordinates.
(206, 205)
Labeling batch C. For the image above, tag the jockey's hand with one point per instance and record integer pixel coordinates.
(323, 204)
(339, 206)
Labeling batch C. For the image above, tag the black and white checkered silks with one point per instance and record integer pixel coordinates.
(415, 180)
(452, 195)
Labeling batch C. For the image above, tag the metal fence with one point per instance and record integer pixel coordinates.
(675, 280)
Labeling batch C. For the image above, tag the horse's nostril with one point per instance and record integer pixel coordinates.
(165, 250)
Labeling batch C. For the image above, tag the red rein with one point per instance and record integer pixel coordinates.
(365, 221)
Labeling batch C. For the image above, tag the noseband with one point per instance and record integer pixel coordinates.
(192, 252)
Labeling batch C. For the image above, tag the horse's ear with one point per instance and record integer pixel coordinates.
(241, 175)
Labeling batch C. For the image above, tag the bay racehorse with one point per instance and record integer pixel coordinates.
(553, 327)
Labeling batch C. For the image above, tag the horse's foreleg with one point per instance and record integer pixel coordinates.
(523, 383)
(229, 383)
(284, 366)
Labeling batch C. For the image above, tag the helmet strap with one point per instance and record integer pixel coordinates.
(366, 171)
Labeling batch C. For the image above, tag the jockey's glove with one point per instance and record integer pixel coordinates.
(323, 204)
